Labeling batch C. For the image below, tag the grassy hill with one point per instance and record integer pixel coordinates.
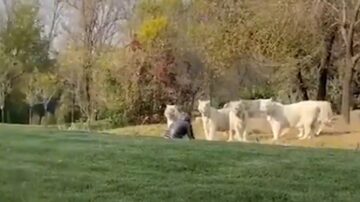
(39, 164)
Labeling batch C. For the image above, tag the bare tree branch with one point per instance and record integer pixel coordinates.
(331, 6)
(356, 58)
(98, 26)
(357, 23)
(57, 7)
(352, 25)
(343, 12)
(343, 25)
(334, 25)
(7, 8)
(72, 4)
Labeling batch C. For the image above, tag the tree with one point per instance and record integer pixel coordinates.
(23, 47)
(70, 75)
(325, 19)
(4, 90)
(51, 20)
(57, 8)
(348, 21)
(22, 37)
(40, 89)
(98, 25)
(9, 71)
(348, 29)
(169, 55)
(276, 35)
(32, 92)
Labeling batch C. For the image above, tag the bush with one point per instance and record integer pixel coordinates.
(258, 92)
(101, 125)
(119, 119)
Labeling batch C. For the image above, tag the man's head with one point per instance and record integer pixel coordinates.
(186, 117)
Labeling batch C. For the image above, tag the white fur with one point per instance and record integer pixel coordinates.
(301, 115)
(255, 108)
(325, 117)
(238, 122)
(213, 119)
(171, 113)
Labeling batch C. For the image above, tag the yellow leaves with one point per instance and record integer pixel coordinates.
(47, 79)
(170, 4)
(155, 16)
(72, 56)
(108, 59)
(157, 8)
(40, 86)
(43, 80)
(151, 29)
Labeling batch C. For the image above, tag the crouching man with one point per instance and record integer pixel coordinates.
(180, 128)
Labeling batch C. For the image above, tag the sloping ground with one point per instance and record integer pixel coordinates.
(39, 164)
(338, 136)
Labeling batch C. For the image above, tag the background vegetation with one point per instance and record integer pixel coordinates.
(122, 61)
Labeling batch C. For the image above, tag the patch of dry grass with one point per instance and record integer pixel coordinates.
(340, 136)
(155, 130)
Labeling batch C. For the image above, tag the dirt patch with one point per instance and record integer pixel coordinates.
(340, 135)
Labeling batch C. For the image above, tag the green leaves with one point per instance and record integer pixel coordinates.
(41, 87)
(22, 39)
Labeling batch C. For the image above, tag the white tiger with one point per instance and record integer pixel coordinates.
(301, 115)
(238, 118)
(171, 113)
(325, 117)
(213, 119)
(255, 108)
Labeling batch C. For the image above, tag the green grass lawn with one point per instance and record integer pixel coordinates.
(46, 165)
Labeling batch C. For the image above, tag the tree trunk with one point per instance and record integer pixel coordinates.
(30, 115)
(45, 118)
(324, 65)
(2, 107)
(73, 108)
(347, 89)
(211, 86)
(303, 88)
(2, 115)
(89, 122)
(88, 94)
(8, 117)
(88, 80)
(322, 92)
